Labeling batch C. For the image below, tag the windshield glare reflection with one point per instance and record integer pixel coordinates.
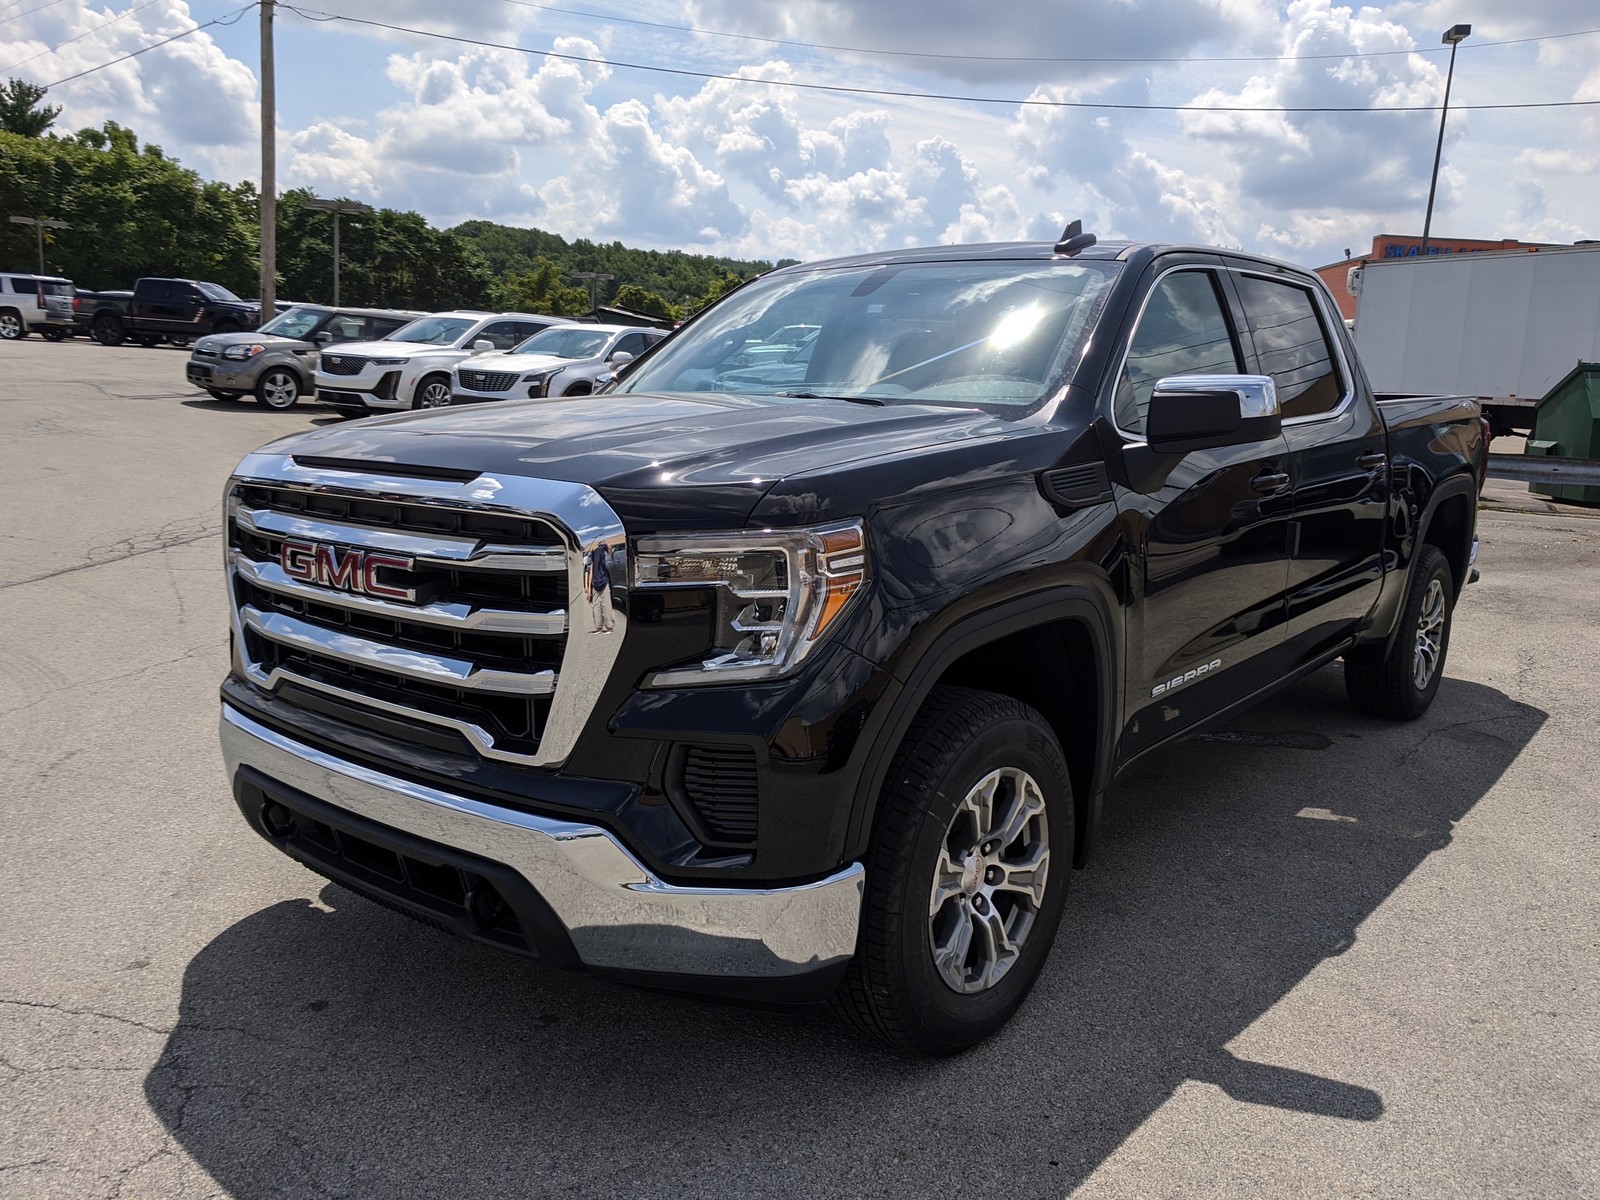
(994, 334)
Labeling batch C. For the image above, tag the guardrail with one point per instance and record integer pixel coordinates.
(1533, 468)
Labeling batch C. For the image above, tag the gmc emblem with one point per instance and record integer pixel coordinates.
(348, 570)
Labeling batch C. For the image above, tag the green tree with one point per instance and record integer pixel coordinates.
(632, 296)
(540, 290)
(20, 110)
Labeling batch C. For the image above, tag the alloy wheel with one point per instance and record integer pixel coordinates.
(434, 394)
(10, 326)
(988, 885)
(1430, 635)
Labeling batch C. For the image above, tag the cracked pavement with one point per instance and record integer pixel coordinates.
(1316, 954)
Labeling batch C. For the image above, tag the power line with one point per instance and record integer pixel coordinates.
(1012, 58)
(31, 11)
(1030, 101)
(80, 37)
(227, 19)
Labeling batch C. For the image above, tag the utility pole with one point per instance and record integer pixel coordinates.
(1453, 37)
(269, 168)
(591, 277)
(338, 208)
(41, 225)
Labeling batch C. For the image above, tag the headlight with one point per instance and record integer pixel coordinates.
(537, 377)
(240, 353)
(778, 592)
(388, 362)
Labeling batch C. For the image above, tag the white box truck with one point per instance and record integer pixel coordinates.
(1504, 326)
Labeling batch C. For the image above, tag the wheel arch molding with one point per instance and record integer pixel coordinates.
(1069, 627)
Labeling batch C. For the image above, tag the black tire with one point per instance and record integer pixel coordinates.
(107, 330)
(429, 395)
(219, 394)
(147, 340)
(181, 341)
(52, 335)
(1386, 685)
(892, 989)
(579, 389)
(12, 327)
(278, 388)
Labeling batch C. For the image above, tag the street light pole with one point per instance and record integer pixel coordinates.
(40, 224)
(338, 208)
(269, 167)
(1453, 37)
(592, 277)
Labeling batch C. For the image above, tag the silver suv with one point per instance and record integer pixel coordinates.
(277, 361)
(569, 361)
(411, 367)
(35, 302)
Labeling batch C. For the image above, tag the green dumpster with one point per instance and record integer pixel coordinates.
(1567, 425)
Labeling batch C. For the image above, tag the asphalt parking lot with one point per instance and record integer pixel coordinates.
(1316, 954)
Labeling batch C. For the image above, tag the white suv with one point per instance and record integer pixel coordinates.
(574, 360)
(411, 367)
(41, 302)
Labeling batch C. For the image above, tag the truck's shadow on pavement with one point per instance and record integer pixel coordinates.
(350, 1052)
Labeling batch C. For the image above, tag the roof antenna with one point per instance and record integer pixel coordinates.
(1074, 239)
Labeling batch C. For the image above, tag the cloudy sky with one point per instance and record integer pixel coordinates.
(591, 145)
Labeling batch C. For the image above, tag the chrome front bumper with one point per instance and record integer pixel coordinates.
(619, 915)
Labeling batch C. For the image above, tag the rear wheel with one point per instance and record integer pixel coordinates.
(12, 326)
(966, 877)
(432, 392)
(181, 341)
(278, 388)
(52, 335)
(146, 340)
(219, 394)
(107, 330)
(1402, 683)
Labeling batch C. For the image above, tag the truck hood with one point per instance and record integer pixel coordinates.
(645, 452)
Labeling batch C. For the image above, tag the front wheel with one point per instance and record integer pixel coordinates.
(433, 392)
(966, 876)
(181, 341)
(12, 327)
(278, 388)
(1402, 683)
(107, 330)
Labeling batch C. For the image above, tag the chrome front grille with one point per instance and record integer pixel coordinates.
(343, 364)
(488, 381)
(482, 644)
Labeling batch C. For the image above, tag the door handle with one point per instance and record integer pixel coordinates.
(1270, 481)
(1372, 462)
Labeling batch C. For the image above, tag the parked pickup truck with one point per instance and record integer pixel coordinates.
(166, 309)
(816, 692)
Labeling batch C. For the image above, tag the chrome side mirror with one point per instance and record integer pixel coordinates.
(482, 346)
(1205, 412)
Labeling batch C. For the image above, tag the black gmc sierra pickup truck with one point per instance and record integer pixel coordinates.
(813, 689)
(159, 310)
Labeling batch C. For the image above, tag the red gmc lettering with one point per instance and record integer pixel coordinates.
(332, 571)
(371, 585)
(299, 561)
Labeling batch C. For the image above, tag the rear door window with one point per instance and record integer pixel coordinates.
(504, 334)
(1182, 331)
(629, 343)
(1292, 345)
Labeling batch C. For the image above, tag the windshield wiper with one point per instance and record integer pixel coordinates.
(873, 400)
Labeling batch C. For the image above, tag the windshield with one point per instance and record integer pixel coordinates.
(565, 342)
(215, 291)
(996, 335)
(432, 331)
(296, 323)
